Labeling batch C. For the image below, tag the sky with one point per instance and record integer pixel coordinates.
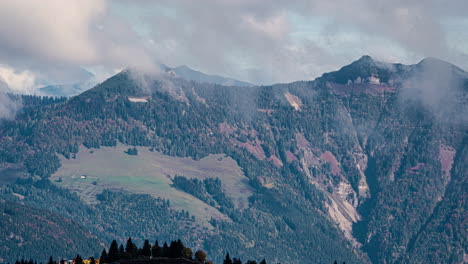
(51, 41)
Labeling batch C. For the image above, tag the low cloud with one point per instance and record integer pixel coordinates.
(253, 40)
(438, 87)
(261, 41)
(8, 106)
(52, 39)
(17, 81)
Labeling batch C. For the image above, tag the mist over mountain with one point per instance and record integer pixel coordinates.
(366, 164)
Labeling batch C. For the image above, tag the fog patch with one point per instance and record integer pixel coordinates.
(9, 106)
(439, 87)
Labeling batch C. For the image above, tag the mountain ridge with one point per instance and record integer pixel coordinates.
(329, 161)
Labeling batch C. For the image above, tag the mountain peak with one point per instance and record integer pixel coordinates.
(362, 69)
(439, 65)
(435, 62)
(365, 59)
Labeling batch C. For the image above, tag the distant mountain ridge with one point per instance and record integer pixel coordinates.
(193, 75)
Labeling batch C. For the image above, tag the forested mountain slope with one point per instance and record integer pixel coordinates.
(363, 164)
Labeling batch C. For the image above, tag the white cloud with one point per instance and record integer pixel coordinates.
(51, 30)
(53, 38)
(18, 82)
(257, 40)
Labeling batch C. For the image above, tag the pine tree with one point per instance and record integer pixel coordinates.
(92, 261)
(263, 261)
(146, 250)
(130, 248)
(179, 249)
(165, 250)
(103, 258)
(122, 253)
(51, 260)
(227, 259)
(113, 252)
(156, 250)
(78, 260)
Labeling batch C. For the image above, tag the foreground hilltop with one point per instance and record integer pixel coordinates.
(366, 164)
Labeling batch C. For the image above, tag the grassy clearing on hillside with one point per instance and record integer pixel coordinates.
(150, 173)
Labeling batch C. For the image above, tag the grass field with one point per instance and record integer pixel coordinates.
(150, 173)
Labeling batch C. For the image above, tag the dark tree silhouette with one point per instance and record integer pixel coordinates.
(165, 250)
(156, 250)
(113, 255)
(227, 259)
(122, 253)
(130, 248)
(78, 259)
(104, 258)
(146, 250)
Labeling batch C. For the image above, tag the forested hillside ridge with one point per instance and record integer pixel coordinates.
(365, 164)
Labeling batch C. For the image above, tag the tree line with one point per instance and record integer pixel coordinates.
(174, 250)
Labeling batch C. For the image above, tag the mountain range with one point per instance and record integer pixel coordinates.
(88, 80)
(366, 164)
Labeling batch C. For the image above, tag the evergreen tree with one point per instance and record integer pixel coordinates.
(165, 250)
(78, 260)
(103, 258)
(131, 249)
(146, 250)
(179, 249)
(263, 261)
(227, 259)
(92, 261)
(156, 250)
(122, 252)
(51, 260)
(113, 252)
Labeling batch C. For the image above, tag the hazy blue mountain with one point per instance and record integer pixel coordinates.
(73, 83)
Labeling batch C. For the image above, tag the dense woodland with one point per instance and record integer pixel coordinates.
(282, 150)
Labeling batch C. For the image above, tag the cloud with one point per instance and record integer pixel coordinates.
(8, 106)
(256, 40)
(54, 38)
(439, 87)
(15, 81)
